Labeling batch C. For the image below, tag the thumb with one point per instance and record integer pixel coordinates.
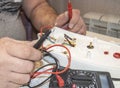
(62, 19)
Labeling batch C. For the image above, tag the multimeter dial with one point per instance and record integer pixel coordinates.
(82, 79)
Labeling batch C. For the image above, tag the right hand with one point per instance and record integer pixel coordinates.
(76, 23)
(16, 62)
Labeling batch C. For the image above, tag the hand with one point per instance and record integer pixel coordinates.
(76, 24)
(16, 62)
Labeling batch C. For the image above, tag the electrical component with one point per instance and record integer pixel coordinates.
(71, 41)
(67, 40)
(116, 55)
(90, 46)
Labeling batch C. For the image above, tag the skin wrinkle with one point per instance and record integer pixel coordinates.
(15, 83)
(19, 78)
(28, 64)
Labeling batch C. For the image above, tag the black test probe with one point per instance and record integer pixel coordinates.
(42, 39)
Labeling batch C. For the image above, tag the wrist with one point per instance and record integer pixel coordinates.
(43, 15)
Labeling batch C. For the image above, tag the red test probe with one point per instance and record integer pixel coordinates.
(69, 9)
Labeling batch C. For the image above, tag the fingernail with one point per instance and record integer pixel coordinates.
(66, 14)
(71, 25)
(55, 24)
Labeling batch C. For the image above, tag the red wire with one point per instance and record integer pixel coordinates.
(41, 30)
(55, 45)
(58, 72)
(69, 59)
(34, 75)
(60, 80)
(45, 27)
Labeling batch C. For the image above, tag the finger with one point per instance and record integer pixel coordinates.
(22, 42)
(83, 30)
(33, 42)
(83, 27)
(75, 18)
(22, 51)
(13, 85)
(77, 27)
(20, 66)
(29, 43)
(62, 19)
(19, 78)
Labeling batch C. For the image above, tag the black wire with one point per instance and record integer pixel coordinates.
(53, 57)
(116, 79)
(56, 68)
(44, 80)
(42, 39)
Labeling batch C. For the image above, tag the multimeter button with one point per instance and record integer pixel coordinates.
(74, 86)
(116, 55)
(91, 86)
(94, 82)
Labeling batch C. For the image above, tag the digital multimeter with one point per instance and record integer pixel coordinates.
(83, 79)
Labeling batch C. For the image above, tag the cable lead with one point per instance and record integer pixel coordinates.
(42, 39)
(69, 9)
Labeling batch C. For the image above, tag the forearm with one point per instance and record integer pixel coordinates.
(43, 15)
(39, 12)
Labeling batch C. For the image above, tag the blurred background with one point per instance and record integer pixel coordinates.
(100, 16)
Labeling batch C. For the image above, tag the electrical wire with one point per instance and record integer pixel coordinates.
(116, 79)
(45, 27)
(40, 84)
(69, 9)
(36, 73)
(69, 59)
(56, 64)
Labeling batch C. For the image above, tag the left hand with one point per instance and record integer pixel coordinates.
(76, 24)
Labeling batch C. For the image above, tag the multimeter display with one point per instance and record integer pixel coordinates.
(104, 81)
(83, 79)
